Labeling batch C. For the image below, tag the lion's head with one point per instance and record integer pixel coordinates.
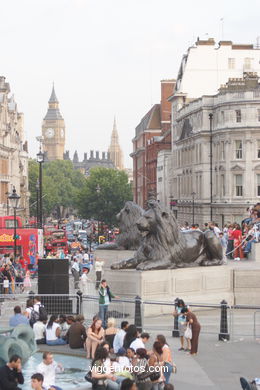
(129, 236)
(159, 228)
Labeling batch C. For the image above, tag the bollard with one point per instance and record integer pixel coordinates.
(175, 332)
(79, 302)
(138, 313)
(223, 335)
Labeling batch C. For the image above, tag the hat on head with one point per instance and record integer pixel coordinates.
(121, 351)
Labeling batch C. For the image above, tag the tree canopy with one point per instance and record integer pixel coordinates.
(61, 185)
(104, 194)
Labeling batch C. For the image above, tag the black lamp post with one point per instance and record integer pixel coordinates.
(98, 189)
(37, 203)
(193, 196)
(14, 201)
(211, 164)
(40, 160)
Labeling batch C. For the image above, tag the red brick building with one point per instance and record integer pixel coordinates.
(152, 134)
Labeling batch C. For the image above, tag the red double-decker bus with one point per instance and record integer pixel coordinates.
(29, 240)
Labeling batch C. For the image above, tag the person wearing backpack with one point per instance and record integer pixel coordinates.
(39, 312)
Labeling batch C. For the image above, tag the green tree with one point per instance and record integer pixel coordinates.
(103, 205)
(61, 185)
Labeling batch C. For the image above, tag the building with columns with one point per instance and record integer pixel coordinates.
(115, 150)
(13, 153)
(53, 130)
(235, 166)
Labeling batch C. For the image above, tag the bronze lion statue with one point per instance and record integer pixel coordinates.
(165, 246)
(129, 237)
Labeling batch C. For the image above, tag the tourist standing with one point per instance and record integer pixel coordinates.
(49, 368)
(230, 243)
(98, 269)
(75, 272)
(181, 322)
(195, 328)
(105, 297)
(84, 280)
(238, 252)
(11, 374)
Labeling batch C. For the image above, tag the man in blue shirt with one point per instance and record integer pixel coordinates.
(18, 318)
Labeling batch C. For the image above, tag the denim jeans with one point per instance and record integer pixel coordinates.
(103, 314)
(56, 342)
(167, 372)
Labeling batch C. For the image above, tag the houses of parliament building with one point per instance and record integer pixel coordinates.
(54, 136)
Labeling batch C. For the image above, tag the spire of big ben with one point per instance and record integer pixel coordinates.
(116, 154)
(53, 130)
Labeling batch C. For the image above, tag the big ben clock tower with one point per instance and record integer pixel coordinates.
(53, 130)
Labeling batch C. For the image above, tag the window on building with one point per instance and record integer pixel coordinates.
(258, 148)
(238, 116)
(239, 185)
(247, 63)
(238, 151)
(160, 179)
(258, 185)
(231, 63)
(258, 114)
(222, 150)
(223, 189)
(222, 117)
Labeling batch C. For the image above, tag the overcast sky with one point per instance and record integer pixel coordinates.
(106, 57)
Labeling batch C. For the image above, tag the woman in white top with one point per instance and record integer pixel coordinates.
(98, 268)
(53, 332)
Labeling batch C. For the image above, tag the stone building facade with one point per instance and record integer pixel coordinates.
(13, 153)
(53, 130)
(235, 153)
(152, 135)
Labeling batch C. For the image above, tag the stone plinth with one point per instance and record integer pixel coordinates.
(255, 252)
(198, 285)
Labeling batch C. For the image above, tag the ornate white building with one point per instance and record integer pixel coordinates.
(13, 153)
(235, 163)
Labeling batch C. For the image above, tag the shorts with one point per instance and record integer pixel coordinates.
(182, 327)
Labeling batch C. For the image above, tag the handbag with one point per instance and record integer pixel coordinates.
(154, 376)
(88, 378)
(188, 333)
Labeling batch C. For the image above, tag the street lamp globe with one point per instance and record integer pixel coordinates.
(14, 199)
(40, 157)
(98, 189)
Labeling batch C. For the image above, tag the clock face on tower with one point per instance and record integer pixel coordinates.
(62, 133)
(49, 133)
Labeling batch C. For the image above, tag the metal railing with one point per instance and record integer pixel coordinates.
(222, 320)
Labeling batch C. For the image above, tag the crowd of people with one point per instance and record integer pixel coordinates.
(236, 240)
(120, 358)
